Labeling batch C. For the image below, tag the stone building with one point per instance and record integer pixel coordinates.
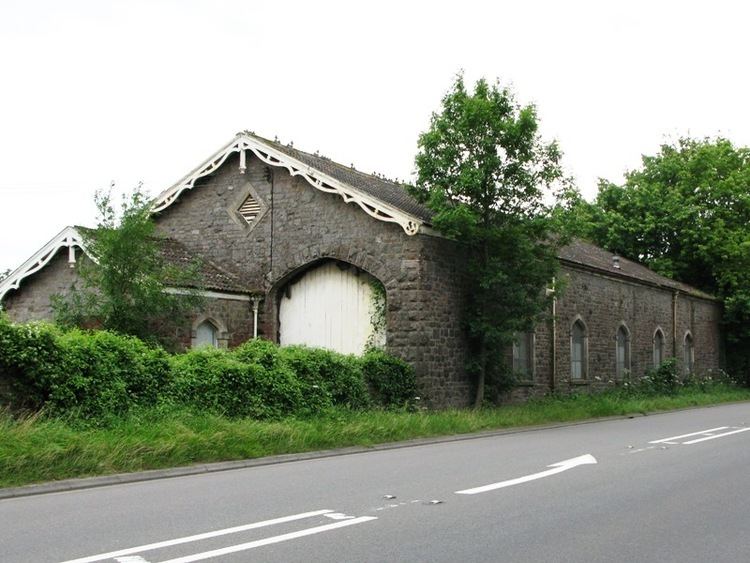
(299, 249)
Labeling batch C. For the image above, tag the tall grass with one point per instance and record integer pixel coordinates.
(41, 448)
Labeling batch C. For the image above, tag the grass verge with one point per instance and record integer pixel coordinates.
(40, 448)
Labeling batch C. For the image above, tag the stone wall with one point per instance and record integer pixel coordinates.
(31, 302)
(603, 303)
(232, 317)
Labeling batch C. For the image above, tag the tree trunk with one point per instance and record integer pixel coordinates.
(484, 258)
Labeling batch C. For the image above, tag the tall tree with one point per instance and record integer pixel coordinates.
(485, 172)
(123, 285)
(686, 214)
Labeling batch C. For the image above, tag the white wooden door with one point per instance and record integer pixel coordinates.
(329, 307)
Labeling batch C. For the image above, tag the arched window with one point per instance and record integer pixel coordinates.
(689, 353)
(206, 334)
(658, 347)
(578, 350)
(622, 353)
(523, 355)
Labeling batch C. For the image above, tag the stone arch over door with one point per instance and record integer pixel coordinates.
(331, 304)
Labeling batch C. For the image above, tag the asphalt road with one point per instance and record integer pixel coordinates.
(645, 499)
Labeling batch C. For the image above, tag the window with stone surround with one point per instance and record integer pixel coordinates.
(578, 352)
(689, 353)
(523, 355)
(658, 347)
(622, 351)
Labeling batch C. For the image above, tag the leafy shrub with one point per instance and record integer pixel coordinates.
(258, 351)
(212, 380)
(306, 365)
(29, 356)
(105, 374)
(236, 384)
(328, 378)
(98, 375)
(391, 380)
(664, 379)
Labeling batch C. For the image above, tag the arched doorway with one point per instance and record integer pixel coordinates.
(333, 305)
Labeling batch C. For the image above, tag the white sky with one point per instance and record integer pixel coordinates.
(96, 91)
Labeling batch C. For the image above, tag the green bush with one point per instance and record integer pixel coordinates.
(259, 351)
(236, 385)
(328, 379)
(94, 376)
(316, 393)
(105, 374)
(211, 380)
(29, 357)
(391, 380)
(662, 380)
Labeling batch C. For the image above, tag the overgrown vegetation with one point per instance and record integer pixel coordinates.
(42, 448)
(94, 376)
(98, 403)
(485, 172)
(123, 283)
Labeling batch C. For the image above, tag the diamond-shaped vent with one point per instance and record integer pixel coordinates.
(249, 209)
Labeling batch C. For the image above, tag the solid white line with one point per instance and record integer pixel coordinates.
(197, 537)
(717, 436)
(268, 541)
(688, 435)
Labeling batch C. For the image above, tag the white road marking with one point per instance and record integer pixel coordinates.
(673, 438)
(268, 541)
(198, 537)
(557, 468)
(716, 436)
(338, 516)
(131, 559)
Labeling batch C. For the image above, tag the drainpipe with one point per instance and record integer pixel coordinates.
(553, 351)
(674, 323)
(256, 299)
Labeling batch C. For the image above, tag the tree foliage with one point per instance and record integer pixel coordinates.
(686, 214)
(123, 284)
(485, 172)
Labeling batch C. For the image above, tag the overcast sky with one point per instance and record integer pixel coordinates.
(126, 91)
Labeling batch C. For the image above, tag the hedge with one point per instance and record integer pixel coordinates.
(96, 374)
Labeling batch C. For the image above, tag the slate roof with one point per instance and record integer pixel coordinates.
(212, 276)
(583, 253)
(383, 189)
